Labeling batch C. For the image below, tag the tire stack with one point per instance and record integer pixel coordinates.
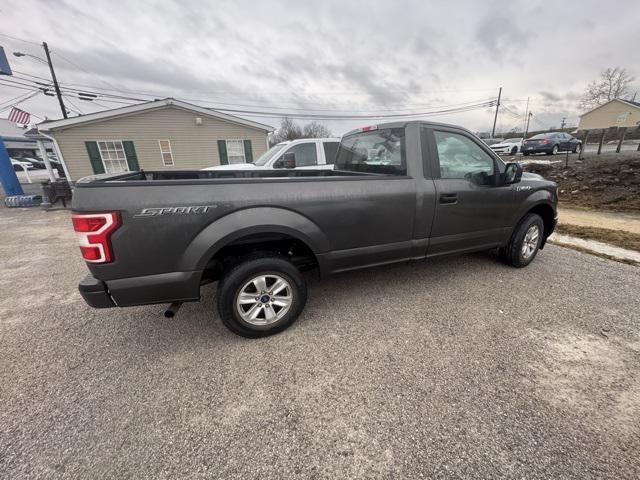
(16, 201)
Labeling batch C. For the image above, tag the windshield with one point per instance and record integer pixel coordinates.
(539, 136)
(269, 154)
(512, 140)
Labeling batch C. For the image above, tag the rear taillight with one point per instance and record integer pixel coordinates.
(544, 141)
(94, 231)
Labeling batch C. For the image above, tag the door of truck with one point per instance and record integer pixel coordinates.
(470, 213)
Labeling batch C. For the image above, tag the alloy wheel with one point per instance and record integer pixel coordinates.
(530, 242)
(264, 299)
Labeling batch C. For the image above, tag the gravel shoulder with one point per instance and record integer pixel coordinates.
(455, 368)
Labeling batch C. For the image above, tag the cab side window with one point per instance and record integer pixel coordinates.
(305, 153)
(461, 157)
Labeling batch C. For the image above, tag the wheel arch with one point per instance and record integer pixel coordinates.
(545, 210)
(237, 227)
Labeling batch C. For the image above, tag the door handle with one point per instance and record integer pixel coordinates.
(448, 198)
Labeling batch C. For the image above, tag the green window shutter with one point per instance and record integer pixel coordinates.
(248, 153)
(94, 157)
(222, 151)
(130, 153)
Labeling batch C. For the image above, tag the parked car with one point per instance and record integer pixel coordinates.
(492, 141)
(35, 162)
(399, 192)
(19, 166)
(551, 143)
(510, 146)
(309, 153)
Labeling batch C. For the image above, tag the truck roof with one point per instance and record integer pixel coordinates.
(287, 142)
(404, 124)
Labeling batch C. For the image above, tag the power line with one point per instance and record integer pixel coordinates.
(19, 39)
(76, 108)
(14, 99)
(70, 87)
(13, 104)
(354, 114)
(3, 82)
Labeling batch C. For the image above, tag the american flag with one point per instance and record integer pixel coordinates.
(19, 116)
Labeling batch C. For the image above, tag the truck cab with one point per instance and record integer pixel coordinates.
(304, 153)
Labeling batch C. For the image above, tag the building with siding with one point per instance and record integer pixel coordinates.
(615, 113)
(160, 135)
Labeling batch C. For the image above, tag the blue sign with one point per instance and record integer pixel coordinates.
(5, 69)
(8, 177)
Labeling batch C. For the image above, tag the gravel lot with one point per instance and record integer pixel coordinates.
(457, 368)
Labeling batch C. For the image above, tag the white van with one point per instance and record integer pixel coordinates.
(309, 153)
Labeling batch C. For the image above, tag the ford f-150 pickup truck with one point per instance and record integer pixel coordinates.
(399, 192)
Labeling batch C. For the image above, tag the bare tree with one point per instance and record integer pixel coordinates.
(315, 130)
(613, 83)
(290, 130)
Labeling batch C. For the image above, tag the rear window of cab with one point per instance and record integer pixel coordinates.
(376, 151)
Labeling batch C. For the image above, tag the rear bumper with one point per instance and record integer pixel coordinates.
(95, 293)
(125, 292)
(537, 150)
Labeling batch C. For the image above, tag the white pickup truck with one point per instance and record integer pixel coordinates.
(309, 153)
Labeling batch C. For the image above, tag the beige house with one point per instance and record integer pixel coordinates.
(614, 113)
(160, 135)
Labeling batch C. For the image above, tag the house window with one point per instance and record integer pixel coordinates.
(165, 151)
(113, 157)
(235, 151)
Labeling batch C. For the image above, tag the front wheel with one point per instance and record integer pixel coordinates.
(578, 148)
(261, 296)
(514, 150)
(524, 243)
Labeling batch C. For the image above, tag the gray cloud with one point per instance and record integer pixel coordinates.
(331, 55)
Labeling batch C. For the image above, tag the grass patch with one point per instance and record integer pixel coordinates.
(619, 238)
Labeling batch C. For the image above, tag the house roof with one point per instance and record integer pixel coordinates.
(631, 102)
(49, 125)
(628, 102)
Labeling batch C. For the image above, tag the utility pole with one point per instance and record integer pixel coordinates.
(526, 130)
(526, 120)
(563, 123)
(495, 118)
(55, 80)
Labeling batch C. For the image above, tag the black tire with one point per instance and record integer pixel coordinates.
(512, 253)
(554, 150)
(514, 150)
(578, 148)
(249, 267)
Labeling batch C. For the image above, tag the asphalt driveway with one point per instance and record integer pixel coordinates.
(457, 368)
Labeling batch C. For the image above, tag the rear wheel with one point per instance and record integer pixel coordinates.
(554, 150)
(261, 296)
(524, 243)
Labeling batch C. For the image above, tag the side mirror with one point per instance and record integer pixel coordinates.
(512, 174)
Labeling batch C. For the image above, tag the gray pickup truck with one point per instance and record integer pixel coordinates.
(399, 192)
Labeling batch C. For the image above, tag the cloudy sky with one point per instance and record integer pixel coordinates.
(332, 58)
